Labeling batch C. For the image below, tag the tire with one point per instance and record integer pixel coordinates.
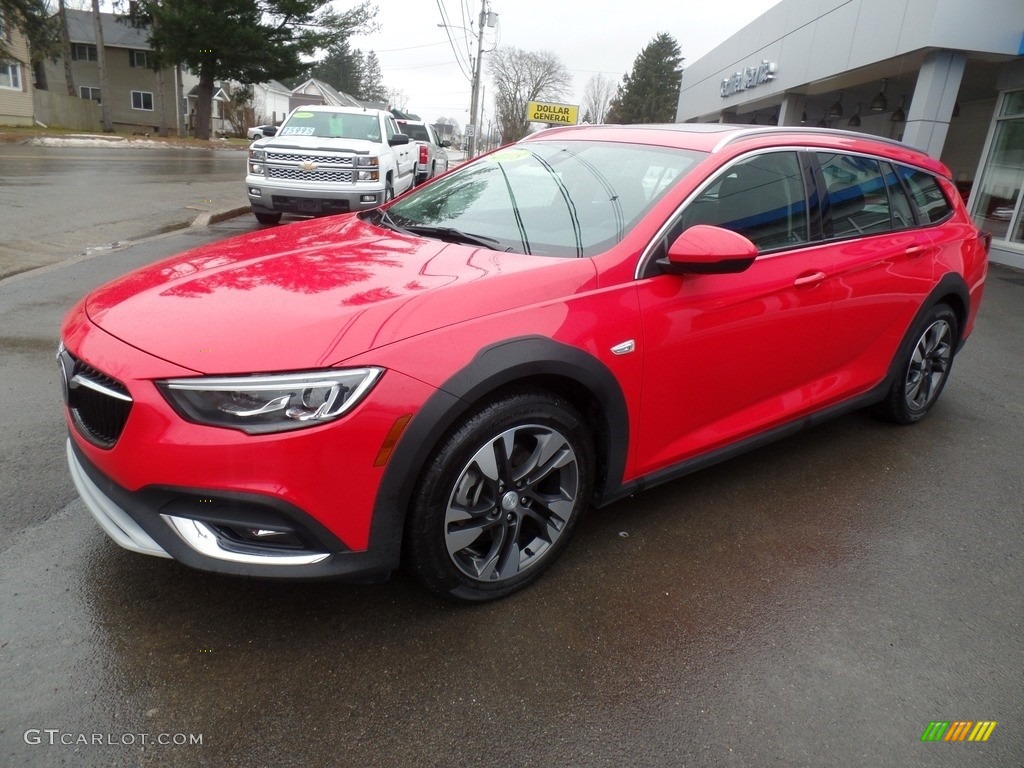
(924, 369)
(267, 218)
(499, 499)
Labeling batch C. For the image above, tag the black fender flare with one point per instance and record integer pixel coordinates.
(495, 367)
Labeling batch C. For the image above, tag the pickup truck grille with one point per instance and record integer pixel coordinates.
(291, 157)
(294, 174)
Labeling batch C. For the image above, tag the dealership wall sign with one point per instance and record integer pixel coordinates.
(751, 77)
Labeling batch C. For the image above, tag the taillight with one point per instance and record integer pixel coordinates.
(423, 155)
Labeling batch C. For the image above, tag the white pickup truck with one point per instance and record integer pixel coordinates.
(329, 160)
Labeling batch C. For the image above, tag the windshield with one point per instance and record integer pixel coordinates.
(571, 198)
(413, 131)
(333, 125)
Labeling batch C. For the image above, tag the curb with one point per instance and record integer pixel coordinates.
(212, 217)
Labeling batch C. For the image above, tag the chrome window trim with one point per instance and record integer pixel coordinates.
(642, 262)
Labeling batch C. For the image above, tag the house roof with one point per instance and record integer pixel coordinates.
(330, 95)
(116, 34)
(273, 86)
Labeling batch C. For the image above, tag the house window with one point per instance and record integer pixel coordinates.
(142, 100)
(10, 75)
(89, 92)
(83, 52)
(138, 59)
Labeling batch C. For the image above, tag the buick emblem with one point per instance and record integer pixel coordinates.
(307, 166)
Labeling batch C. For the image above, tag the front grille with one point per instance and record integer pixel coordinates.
(290, 157)
(99, 404)
(297, 175)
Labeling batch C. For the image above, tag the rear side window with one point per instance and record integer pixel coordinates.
(857, 202)
(931, 204)
(761, 198)
(902, 213)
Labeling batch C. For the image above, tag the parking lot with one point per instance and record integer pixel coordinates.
(816, 602)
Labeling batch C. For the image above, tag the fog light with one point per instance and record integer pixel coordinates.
(367, 198)
(255, 192)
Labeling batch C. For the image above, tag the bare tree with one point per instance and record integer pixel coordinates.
(65, 42)
(597, 95)
(521, 77)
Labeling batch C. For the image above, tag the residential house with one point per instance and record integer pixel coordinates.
(15, 92)
(135, 97)
(315, 91)
(271, 101)
(219, 126)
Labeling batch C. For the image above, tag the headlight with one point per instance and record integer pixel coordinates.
(259, 155)
(262, 404)
(366, 162)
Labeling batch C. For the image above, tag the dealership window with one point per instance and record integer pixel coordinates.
(10, 75)
(997, 204)
(89, 92)
(142, 100)
(138, 59)
(83, 52)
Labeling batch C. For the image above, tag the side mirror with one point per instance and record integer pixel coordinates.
(446, 144)
(398, 138)
(270, 130)
(707, 250)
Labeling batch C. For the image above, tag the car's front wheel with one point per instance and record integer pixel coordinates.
(499, 499)
(924, 370)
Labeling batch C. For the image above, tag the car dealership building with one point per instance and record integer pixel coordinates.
(943, 75)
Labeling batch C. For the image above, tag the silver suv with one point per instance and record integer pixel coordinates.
(326, 160)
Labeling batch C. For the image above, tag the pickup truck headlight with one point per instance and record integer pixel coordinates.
(364, 164)
(262, 404)
(256, 159)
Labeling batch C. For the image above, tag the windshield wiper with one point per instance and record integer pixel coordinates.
(452, 235)
(383, 219)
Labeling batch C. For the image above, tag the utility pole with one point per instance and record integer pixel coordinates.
(475, 101)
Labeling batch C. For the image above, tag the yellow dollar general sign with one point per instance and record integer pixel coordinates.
(559, 114)
(958, 730)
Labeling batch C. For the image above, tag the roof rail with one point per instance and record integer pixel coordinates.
(746, 133)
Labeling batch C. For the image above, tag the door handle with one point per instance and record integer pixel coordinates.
(810, 278)
(916, 250)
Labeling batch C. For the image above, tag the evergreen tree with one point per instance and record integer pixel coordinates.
(251, 41)
(342, 67)
(650, 93)
(33, 19)
(373, 81)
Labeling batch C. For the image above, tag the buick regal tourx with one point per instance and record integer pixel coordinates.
(449, 381)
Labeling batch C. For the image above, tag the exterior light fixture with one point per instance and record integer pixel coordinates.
(803, 118)
(836, 110)
(880, 103)
(854, 121)
(899, 116)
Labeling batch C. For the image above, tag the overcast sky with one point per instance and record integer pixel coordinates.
(417, 58)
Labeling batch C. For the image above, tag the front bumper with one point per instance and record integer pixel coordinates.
(269, 195)
(233, 533)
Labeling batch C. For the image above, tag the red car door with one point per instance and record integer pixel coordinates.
(729, 355)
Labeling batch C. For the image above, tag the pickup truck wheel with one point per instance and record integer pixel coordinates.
(267, 218)
(389, 192)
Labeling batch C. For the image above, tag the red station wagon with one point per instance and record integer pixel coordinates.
(449, 381)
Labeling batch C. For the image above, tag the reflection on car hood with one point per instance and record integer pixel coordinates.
(314, 293)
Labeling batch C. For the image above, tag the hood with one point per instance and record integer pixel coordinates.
(314, 293)
(319, 144)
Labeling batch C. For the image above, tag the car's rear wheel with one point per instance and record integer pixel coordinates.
(498, 501)
(924, 370)
(267, 218)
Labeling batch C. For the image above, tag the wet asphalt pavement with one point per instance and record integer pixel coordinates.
(814, 603)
